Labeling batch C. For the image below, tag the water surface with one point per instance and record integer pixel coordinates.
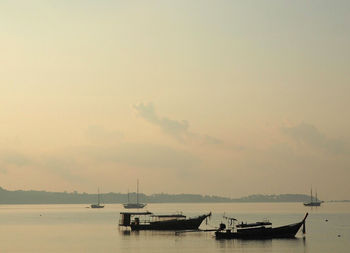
(75, 228)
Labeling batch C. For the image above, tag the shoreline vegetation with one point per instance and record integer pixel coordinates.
(44, 197)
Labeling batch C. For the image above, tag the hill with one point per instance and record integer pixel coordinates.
(43, 197)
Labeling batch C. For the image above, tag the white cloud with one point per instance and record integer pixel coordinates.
(310, 135)
(179, 129)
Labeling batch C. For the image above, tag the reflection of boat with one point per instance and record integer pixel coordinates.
(313, 202)
(259, 230)
(98, 205)
(137, 204)
(150, 221)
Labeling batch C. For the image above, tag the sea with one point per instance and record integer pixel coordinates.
(77, 228)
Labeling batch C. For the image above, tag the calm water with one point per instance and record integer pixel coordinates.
(74, 228)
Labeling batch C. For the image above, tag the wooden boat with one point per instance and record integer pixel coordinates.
(98, 205)
(259, 231)
(149, 221)
(313, 202)
(136, 205)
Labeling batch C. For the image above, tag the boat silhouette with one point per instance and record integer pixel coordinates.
(313, 202)
(148, 221)
(98, 205)
(137, 204)
(259, 230)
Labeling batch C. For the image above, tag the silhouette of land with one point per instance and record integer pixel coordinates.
(43, 197)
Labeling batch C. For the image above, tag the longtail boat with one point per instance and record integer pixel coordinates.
(259, 230)
(149, 221)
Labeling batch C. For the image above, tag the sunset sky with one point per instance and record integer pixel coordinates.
(225, 98)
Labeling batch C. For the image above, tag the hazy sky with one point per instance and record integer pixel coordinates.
(213, 97)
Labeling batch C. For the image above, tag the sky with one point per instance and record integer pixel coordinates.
(227, 98)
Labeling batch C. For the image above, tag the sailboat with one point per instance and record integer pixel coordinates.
(137, 204)
(98, 205)
(313, 202)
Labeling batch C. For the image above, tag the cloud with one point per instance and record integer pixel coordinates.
(64, 167)
(309, 134)
(98, 134)
(178, 129)
(147, 156)
(10, 159)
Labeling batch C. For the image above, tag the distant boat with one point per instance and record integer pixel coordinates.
(259, 230)
(313, 202)
(134, 205)
(98, 205)
(149, 221)
(137, 204)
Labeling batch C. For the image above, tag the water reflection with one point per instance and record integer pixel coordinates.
(293, 244)
(146, 233)
(239, 243)
(304, 243)
(124, 232)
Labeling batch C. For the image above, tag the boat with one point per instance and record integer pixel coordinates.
(134, 205)
(98, 205)
(148, 221)
(259, 230)
(313, 202)
(137, 204)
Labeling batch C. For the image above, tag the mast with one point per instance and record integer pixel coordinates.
(98, 196)
(316, 197)
(137, 193)
(311, 194)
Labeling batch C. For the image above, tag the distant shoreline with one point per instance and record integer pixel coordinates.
(43, 197)
(331, 201)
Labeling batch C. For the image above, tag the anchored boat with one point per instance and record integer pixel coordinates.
(98, 205)
(259, 230)
(313, 202)
(137, 204)
(150, 221)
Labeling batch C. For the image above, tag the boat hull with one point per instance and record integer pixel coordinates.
(97, 206)
(186, 224)
(312, 204)
(288, 231)
(134, 205)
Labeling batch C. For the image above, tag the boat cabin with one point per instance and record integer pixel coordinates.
(127, 219)
(244, 226)
(255, 224)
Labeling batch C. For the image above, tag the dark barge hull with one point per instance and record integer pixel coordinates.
(134, 205)
(186, 224)
(97, 206)
(312, 204)
(288, 231)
